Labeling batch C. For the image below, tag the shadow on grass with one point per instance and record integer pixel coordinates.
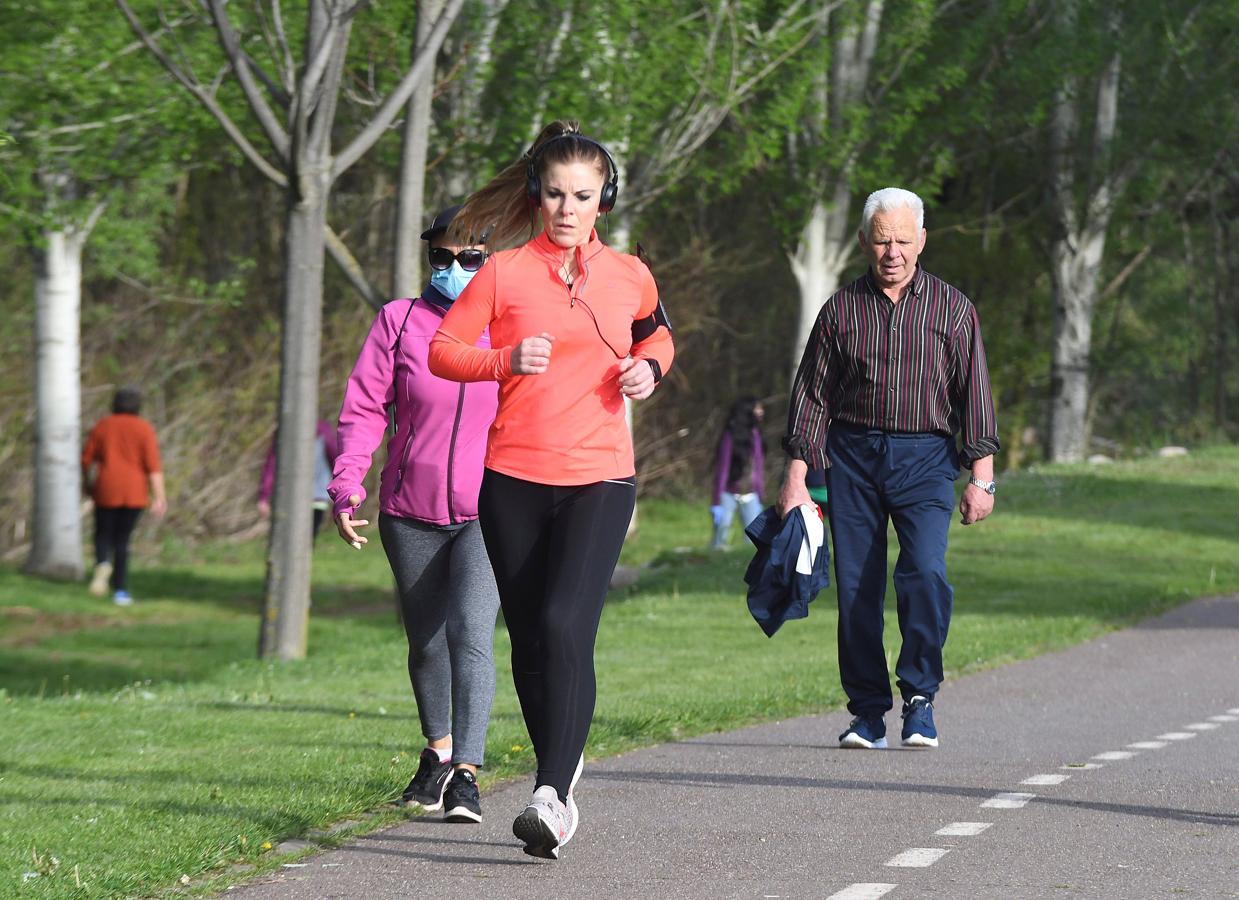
(239, 593)
(186, 625)
(1202, 510)
(279, 823)
(106, 660)
(285, 708)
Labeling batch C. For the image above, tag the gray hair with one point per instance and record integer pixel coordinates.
(888, 199)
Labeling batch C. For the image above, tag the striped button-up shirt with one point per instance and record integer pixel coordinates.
(913, 366)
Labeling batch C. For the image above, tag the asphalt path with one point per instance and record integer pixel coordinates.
(1108, 770)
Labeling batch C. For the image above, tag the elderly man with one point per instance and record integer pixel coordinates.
(893, 369)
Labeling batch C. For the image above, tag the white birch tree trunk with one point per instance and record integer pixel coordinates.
(1075, 273)
(825, 243)
(411, 192)
(462, 169)
(1076, 255)
(56, 549)
(818, 263)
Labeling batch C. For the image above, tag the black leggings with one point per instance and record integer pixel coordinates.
(113, 528)
(554, 549)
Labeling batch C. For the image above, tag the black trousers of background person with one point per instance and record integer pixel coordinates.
(554, 549)
(113, 528)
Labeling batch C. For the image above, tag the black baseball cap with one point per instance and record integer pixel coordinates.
(442, 220)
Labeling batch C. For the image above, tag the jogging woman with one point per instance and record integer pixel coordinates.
(428, 521)
(575, 328)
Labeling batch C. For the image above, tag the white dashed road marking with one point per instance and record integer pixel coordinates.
(963, 829)
(918, 857)
(921, 857)
(1014, 800)
(863, 891)
(1046, 779)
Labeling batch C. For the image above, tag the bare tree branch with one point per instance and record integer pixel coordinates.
(241, 66)
(289, 71)
(424, 61)
(352, 269)
(206, 98)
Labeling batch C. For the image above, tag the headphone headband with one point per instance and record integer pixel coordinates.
(533, 181)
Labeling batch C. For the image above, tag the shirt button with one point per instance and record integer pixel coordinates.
(892, 390)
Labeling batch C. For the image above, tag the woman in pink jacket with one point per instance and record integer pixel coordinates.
(428, 521)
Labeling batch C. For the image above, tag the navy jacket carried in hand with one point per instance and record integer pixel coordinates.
(791, 565)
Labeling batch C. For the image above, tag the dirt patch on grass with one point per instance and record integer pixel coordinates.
(24, 626)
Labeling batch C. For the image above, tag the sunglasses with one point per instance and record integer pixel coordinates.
(470, 259)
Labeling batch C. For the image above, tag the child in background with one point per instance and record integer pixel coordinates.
(739, 471)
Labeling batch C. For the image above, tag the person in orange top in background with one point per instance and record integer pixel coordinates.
(122, 454)
(575, 327)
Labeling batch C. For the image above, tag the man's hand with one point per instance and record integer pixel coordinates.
(264, 509)
(345, 524)
(636, 380)
(532, 355)
(794, 492)
(975, 505)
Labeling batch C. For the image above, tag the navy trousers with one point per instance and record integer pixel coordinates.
(907, 479)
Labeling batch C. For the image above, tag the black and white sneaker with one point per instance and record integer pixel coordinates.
(461, 802)
(427, 787)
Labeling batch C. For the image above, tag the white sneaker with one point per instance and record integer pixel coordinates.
(543, 826)
(99, 579)
(574, 814)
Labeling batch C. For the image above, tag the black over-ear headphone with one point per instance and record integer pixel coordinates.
(610, 190)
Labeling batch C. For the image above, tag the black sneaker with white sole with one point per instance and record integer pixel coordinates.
(461, 802)
(427, 787)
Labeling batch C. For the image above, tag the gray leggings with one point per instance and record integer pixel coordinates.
(449, 602)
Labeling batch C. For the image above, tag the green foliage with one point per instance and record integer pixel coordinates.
(182, 277)
(147, 744)
(93, 123)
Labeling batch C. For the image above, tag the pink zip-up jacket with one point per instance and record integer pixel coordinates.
(434, 460)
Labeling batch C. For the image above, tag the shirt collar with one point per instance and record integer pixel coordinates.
(555, 253)
(916, 285)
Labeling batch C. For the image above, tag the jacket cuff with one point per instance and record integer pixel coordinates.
(340, 496)
(979, 450)
(797, 447)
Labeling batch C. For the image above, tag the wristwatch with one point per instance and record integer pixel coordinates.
(988, 486)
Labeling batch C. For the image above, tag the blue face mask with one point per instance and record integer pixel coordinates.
(450, 281)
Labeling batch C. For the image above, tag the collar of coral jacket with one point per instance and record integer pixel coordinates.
(555, 254)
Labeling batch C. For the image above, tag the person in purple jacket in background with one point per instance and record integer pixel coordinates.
(739, 477)
(428, 520)
(324, 460)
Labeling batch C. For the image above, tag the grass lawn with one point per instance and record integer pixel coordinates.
(141, 745)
